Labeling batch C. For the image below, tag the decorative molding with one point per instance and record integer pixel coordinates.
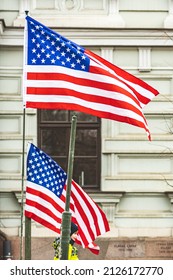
(144, 59)
(168, 22)
(2, 26)
(72, 13)
(170, 195)
(108, 201)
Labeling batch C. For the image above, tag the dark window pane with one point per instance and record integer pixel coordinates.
(86, 142)
(53, 141)
(54, 115)
(86, 168)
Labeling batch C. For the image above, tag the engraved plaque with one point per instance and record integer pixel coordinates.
(126, 249)
(160, 249)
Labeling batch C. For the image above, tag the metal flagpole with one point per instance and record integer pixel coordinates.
(23, 158)
(66, 215)
(22, 188)
(27, 220)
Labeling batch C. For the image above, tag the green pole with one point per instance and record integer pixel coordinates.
(27, 238)
(66, 215)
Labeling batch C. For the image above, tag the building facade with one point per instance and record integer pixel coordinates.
(131, 177)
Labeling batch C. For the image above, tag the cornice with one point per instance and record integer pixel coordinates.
(96, 37)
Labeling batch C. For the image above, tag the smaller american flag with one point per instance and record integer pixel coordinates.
(45, 200)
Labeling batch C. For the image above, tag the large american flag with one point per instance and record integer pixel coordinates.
(59, 74)
(46, 196)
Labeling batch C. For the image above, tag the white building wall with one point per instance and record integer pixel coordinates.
(137, 175)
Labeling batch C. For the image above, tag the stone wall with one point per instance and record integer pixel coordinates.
(110, 249)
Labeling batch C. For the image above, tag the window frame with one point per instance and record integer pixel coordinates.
(41, 124)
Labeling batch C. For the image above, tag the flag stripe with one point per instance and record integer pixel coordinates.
(75, 107)
(97, 109)
(95, 81)
(144, 91)
(55, 92)
(37, 216)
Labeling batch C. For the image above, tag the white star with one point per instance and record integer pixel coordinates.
(33, 60)
(73, 65)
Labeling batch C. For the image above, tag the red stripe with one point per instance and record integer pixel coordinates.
(80, 81)
(46, 198)
(123, 74)
(41, 221)
(84, 217)
(137, 96)
(89, 207)
(76, 107)
(90, 204)
(43, 209)
(86, 97)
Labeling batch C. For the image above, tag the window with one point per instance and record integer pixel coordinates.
(54, 129)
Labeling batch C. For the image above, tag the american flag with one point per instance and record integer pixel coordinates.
(59, 74)
(46, 196)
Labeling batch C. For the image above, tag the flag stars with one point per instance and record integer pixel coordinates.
(52, 49)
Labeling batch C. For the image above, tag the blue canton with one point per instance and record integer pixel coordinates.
(44, 171)
(46, 47)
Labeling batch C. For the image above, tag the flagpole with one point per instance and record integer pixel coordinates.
(22, 188)
(27, 220)
(66, 215)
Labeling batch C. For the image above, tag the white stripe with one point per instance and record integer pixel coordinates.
(95, 106)
(137, 87)
(82, 89)
(85, 207)
(42, 215)
(45, 191)
(78, 74)
(80, 219)
(43, 202)
(93, 205)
